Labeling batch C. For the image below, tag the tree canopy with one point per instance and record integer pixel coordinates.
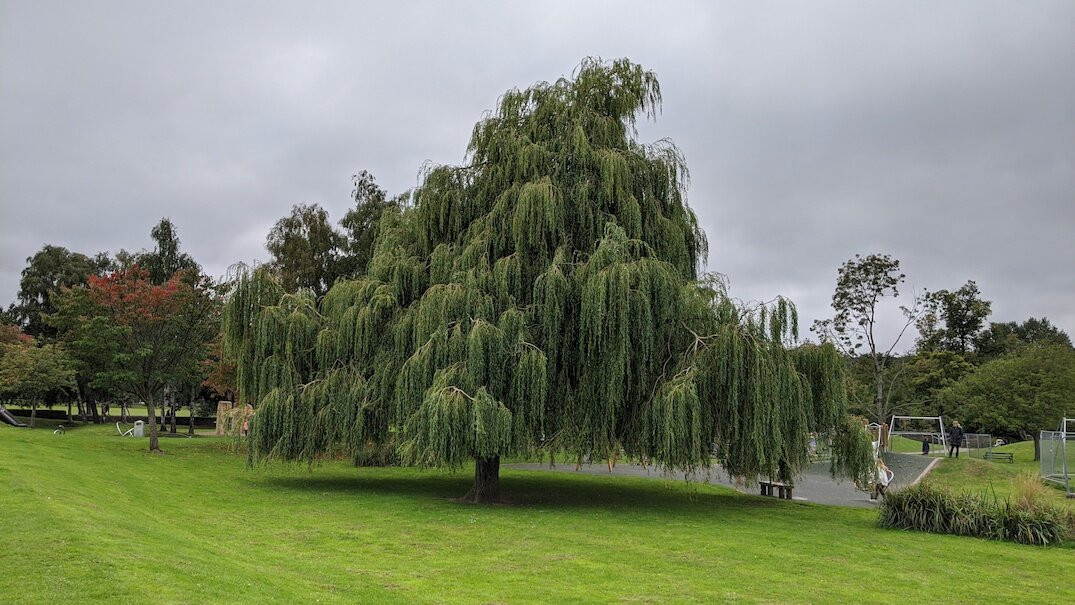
(861, 283)
(924, 376)
(165, 259)
(304, 249)
(543, 296)
(133, 336)
(952, 319)
(28, 371)
(47, 272)
(91, 338)
(1003, 338)
(1020, 394)
(360, 224)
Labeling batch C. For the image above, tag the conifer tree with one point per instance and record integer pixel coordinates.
(545, 297)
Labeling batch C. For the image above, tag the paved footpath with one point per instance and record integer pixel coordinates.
(815, 485)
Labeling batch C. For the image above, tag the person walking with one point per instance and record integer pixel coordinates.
(955, 438)
(884, 477)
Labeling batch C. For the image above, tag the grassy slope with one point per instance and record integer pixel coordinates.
(90, 516)
(974, 475)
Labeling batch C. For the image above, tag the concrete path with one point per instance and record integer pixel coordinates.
(908, 467)
(815, 485)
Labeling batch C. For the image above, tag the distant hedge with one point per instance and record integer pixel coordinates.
(200, 422)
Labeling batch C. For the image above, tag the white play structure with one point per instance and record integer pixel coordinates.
(931, 431)
(1057, 458)
(138, 430)
(920, 428)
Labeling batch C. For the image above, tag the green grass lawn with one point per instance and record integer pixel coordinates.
(89, 517)
(904, 445)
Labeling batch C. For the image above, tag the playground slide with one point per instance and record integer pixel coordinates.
(8, 418)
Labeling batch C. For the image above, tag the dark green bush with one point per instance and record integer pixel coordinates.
(925, 508)
(204, 407)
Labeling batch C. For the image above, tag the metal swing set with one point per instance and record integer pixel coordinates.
(933, 438)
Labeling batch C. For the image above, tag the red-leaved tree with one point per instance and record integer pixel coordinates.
(161, 332)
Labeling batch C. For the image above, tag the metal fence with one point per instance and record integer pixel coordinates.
(1058, 459)
(977, 444)
(974, 445)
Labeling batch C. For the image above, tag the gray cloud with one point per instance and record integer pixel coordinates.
(942, 133)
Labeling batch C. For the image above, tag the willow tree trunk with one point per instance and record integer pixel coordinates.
(33, 413)
(70, 419)
(190, 421)
(154, 444)
(486, 486)
(1037, 446)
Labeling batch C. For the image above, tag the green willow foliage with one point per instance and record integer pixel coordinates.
(544, 296)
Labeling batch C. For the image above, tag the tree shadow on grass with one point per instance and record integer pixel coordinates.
(537, 490)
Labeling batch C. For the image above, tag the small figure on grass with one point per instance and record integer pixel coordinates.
(955, 438)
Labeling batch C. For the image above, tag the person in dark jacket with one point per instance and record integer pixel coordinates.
(955, 438)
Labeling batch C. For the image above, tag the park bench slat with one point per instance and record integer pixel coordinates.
(783, 490)
(1005, 456)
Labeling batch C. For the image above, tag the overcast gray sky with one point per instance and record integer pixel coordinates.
(942, 133)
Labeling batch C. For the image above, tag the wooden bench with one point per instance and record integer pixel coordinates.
(1005, 456)
(782, 490)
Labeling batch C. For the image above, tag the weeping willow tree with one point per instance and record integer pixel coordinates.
(544, 296)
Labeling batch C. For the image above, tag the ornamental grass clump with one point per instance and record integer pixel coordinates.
(1027, 517)
(1031, 515)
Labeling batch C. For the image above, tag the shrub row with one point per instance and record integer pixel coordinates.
(1024, 519)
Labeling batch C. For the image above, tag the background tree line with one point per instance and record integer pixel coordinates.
(1010, 379)
(110, 329)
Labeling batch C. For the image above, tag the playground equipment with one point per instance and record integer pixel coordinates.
(1057, 459)
(931, 431)
(138, 430)
(5, 416)
(919, 428)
